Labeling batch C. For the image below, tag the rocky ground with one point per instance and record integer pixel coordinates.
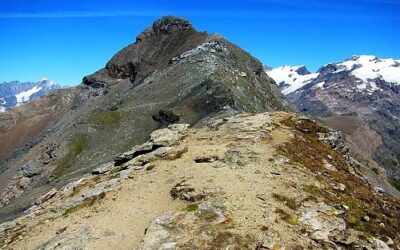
(264, 181)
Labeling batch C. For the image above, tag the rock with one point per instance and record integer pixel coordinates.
(29, 170)
(366, 218)
(206, 159)
(183, 191)
(186, 192)
(150, 167)
(379, 190)
(329, 166)
(389, 241)
(323, 225)
(24, 183)
(166, 116)
(167, 153)
(46, 197)
(210, 212)
(167, 137)
(103, 168)
(134, 152)
(380, 245)
(340, 187)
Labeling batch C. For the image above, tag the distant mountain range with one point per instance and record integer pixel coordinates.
(366, 68)
(15, 93)
(360, 96)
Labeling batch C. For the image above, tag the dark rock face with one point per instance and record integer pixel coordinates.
(303, 71)
(168, 37)
(166, 116)
(327, 69)
(172, 73)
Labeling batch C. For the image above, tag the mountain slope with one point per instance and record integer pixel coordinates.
(264, 181)
(359, 96)
(15, 93)
(171, 73)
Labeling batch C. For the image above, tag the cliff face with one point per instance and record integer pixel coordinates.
(172, 73)
(251, 181)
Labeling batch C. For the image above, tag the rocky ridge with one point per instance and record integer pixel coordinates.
(251, 181)
(170, 73)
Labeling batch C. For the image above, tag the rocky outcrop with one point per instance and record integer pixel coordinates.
(264, 181)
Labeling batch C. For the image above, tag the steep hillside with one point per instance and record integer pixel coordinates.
(15, 93)
(171, 73)
(264, 181)
(359, 96)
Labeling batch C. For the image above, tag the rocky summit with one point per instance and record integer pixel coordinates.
(250, 181)
(171, 73)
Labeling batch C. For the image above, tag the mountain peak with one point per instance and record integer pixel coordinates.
(170, 23)
(291, 78)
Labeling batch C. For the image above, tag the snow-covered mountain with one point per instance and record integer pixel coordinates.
(360, 96)
(15, 93)
(291, 78)
(366, 68)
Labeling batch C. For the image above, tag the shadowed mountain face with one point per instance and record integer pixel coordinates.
(359, 96)
(171, 73)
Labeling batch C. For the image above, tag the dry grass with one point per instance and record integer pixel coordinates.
(307, 150)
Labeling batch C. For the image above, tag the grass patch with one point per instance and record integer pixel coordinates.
(290, 219)
(84, 204)
(289, 202)
(395, 183)
(191, 207)
(297, 164)
(74, 148)
(375, 170)
(105, 119)
(361, 199)
(281, 152)
(293, 220)
(311, 189)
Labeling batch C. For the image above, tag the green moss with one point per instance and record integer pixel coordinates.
(2, 243)
(191, 207)
(395, 183)
(297, 164)
(313, 190)
(375, 170)
(293, 220)
(74, 148)
(282, 153)
(105, 118)
(290, 219)
(289, 202)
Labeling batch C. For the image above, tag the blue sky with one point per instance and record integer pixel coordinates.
(66, 40)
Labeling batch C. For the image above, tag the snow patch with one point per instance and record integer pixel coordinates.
(368, 67)
(26, 95)
(320, 85)
(288, 75)
(2, 109)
